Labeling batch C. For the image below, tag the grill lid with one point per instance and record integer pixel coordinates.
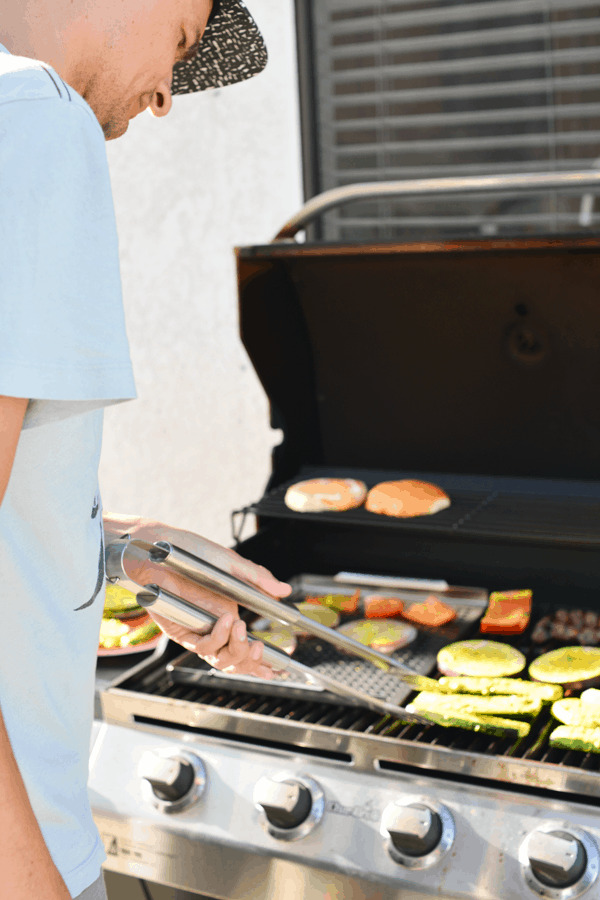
(473, 358)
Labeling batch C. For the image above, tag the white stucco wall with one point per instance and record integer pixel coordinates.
(222, 169)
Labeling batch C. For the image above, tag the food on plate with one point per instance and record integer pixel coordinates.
(479, 657)
(406, 498)
(484, 724)
(378, 607)
(322, 614)
(380, 635)
(575, 737)
(547, 693)
(280, 636)
(476, 705)
(322, 494)
(341, 603)
(567, 665)
(141, 634)
(508, 612)
(111, 632)
(119, 600)
(430, 612)
(114, 633)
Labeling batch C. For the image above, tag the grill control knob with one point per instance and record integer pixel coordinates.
(415, 830)
(418, 831)
(557, 863)
(289, 805)
(172, 779)
(557, 858)
(286, 803)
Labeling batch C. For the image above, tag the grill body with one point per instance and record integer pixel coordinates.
(476, 366)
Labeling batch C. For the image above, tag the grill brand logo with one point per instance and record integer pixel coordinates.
(367, 813)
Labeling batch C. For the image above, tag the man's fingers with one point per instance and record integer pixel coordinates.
(259, 576)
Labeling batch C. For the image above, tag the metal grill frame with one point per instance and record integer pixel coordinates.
(142, 698)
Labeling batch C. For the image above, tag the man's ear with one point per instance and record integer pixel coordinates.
(161, 102)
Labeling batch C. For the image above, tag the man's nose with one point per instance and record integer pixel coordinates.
(161, 102)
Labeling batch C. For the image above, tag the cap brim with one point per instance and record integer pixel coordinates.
(232, 49)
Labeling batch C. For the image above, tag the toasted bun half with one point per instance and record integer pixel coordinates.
(322, 494)
(406, 498)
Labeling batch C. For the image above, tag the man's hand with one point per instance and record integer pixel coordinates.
(225, 647)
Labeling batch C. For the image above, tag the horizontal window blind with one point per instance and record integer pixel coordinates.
(434, 88)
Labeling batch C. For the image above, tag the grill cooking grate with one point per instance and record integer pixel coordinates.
(516, 509)
(534, 747)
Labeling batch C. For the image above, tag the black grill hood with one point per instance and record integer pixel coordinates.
(477, 362)
(478, 358)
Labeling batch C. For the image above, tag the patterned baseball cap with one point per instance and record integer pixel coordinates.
(232, 49)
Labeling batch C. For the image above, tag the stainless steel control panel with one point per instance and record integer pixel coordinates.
(238, 822)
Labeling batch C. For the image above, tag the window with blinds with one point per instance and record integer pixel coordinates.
(405, 89)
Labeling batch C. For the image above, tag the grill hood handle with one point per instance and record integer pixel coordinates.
(180, 562)
(423, 187)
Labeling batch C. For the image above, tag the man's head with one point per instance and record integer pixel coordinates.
(118, 54)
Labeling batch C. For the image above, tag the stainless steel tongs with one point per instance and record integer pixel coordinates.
(181, 611)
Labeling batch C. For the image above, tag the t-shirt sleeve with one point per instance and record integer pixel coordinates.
(62, 328)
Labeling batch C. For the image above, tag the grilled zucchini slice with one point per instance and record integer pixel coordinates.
(500, 705)
(484, 724)
(547, 693)
(575, 737)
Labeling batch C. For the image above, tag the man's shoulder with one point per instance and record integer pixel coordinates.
(29, 79)
(23, 80)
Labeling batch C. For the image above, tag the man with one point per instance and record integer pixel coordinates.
(72, 75)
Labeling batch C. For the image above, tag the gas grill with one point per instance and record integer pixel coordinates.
(476, 366)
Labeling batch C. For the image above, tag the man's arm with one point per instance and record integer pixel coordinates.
(25, 863)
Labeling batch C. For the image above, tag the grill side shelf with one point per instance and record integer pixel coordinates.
(498, 513)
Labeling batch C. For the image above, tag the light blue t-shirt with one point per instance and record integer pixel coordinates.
(63, 345)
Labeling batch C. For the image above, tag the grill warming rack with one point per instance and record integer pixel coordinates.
(515, 509)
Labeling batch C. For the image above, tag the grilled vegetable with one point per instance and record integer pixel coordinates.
(500, 705)
(567, 665)
(572, 711)
(384, 635)
(118, 599)
(317, 613)
(487, 658)
(280, 636)
(508, 612)
(339, 602)
(484, 724)
(547, 693)
(140, 635)
(542, 631)
(431, 612)
(591, 697)
(569, 737)
(111, 632)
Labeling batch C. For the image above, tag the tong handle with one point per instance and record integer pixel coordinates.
(209, 576)
(180, 611)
